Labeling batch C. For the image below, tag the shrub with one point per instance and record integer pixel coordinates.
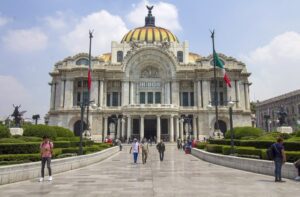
(297, 133)
(19, 148)
(4, 132)
(85, 142)
(224, 141)
(272, 136)
(214, 148)
(28, 138)
(75, 138)
(293, 139)
(201, 145)
(62, 144)
(257, 144)
(240, 132)
(85, 150)
(292, 156)
(246, 151)
(226, 150)
(63, 132)
(40, 131)
(10, 140)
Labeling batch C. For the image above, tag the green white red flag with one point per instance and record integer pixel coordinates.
(220, 64)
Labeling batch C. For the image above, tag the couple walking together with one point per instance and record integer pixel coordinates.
(136, 146)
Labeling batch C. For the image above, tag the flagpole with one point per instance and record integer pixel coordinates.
(216, 126)
(89, 91)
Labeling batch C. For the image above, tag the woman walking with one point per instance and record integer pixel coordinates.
(46, 149)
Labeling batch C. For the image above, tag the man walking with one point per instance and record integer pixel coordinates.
(145, 151)
(161, 149)
(135, 148)
(279, 158)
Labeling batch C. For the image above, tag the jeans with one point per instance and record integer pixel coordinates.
(161, 155)
(299, 171)
(135, 156)
(278, 165)
(44, 160)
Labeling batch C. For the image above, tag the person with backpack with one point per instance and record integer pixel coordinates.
(297, 165)
(145, 151)
(46, 149)
(279, 158)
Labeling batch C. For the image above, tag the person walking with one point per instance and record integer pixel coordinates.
(279, 158)
(135, 148)
(161, 149)
(179, 143)
(46, 149)
(145, 151)
(297, 165)
(119, 143)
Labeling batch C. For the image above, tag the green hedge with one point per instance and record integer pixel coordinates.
(20, 148)
(72, 139)
(248, 151)
(240, 132)
(297, 133)
(63, 132)
(11, 140)
(292, 156)
(86, 150)
(226, 150)
(4, 132)
(201, 145)
(272, 136)
(214, 148)
(40, 131)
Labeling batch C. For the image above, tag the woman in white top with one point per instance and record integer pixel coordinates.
(135, 148)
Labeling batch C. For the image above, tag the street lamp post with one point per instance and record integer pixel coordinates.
(230, 105)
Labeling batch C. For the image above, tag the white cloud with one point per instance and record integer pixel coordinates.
(12, 92)
(56, 22)
(4, 20)
(275, 67)
(107, 27)
(25, 40)
(166, 15)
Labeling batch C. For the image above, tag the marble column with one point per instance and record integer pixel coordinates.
(167, 93)
(175, 93)
(199, 96)
(128, 127)
(247, 104)
(51, 96)
(172, 128)
(62, 93)
(196, 101)
(177, 128)
(123, 128)
(101, 98)
(194, 126)
(105, 126)
(94, 92)
(125, 93)
(237, 93)
(119, 128)
(104, 93)
(158, 129)
(142, 128)
(132, 92)
(181, 130)
(200, 133)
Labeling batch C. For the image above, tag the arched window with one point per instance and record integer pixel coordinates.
(82, 61)
(180, 56)
(119, 56)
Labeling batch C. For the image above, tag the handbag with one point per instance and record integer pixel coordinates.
(297, 163)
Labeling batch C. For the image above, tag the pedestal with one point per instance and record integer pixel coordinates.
(285, 129)
(16, 131)
(218, 135)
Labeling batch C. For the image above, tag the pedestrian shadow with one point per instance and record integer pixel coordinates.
(266, 181)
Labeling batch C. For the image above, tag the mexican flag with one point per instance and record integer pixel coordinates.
(220, 64)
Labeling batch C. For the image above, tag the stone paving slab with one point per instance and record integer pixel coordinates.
(178, 175)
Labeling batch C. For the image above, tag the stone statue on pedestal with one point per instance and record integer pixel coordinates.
(17, 115)
(281, 116)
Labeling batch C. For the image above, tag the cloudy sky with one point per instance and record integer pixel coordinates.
(35, 34)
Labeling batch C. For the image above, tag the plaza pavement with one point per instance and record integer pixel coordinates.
(178, 175)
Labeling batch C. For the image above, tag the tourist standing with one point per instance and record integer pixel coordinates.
(119, 143)
(135, 148)
(179, 143)
(279, 158)
(46, 149)
(145, 151)
(161, 149)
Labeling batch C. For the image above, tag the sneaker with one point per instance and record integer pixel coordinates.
(297, 178)
(41, 179)
(50, 178)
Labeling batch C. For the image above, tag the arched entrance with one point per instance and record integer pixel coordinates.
(222, 126)
(77, 127)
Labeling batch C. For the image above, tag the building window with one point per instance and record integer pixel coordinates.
(82, 61)
(142, 98)
(180, 56)
(192, 98)
(221, 93)
(79, 87)
(119, 56)
(157, 97)
(115, 99)
(185, 99)
(108, 100)
(150, 97)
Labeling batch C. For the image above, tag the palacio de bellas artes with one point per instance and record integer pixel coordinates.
(148, 85)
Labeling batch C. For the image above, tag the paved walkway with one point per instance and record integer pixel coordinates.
(177, 175)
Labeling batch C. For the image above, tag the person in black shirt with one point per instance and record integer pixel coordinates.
(279, 158)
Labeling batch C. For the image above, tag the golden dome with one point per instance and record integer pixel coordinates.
(149, 33)
(106, 57)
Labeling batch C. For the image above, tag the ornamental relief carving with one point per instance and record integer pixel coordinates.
(150, 72)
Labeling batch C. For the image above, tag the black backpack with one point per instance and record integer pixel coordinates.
(270, 152)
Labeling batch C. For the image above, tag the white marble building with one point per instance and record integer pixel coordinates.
(149, 85)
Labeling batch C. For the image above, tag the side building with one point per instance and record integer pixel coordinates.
(149, 85)
(266, 111)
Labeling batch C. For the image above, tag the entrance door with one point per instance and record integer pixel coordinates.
(150, 128)
(222, 126)
(77, 127)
